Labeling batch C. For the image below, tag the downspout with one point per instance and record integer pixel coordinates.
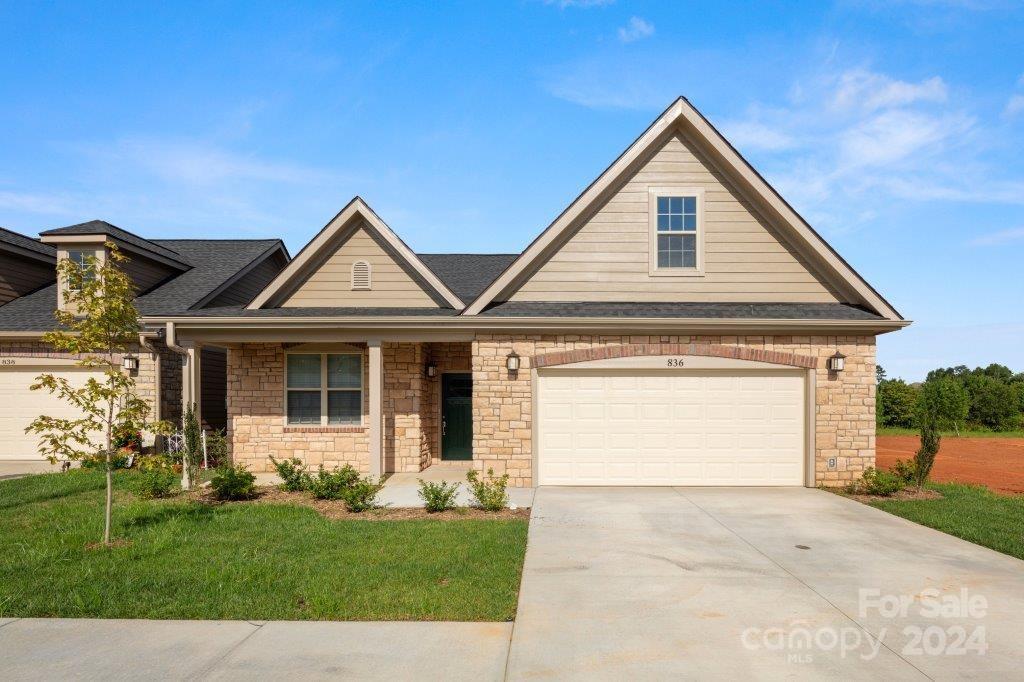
(171, 341)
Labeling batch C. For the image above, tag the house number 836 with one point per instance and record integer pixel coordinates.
(675, 362)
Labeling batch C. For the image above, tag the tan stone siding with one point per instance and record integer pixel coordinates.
(502, 404)
(256, 424)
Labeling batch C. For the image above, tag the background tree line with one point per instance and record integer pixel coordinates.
(990, 398)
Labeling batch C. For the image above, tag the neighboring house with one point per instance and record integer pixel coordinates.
(172, 276)
(673, 326)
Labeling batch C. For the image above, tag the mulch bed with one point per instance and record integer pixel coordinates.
(335, 509)
(905, 495)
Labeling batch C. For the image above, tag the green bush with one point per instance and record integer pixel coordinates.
(438, 496)
(233, 482)
(331, 485)
(904, 470)
(488, 493)
(154, 482)
(993, 403)
(361, 495)
(126, 436)
(216, 448)
(924, 459)
(294, 476)
(876, 482)
(99, 461)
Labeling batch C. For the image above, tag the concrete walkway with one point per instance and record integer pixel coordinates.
(658, 583)
(64, 649)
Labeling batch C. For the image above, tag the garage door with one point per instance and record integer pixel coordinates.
(654, 428)
(19, 406)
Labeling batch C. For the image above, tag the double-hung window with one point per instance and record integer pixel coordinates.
(324, 389)
(675, 231)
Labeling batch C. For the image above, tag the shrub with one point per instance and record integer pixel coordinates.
(361, 495)
(438, 496)
(876, 482)
(216, 448)
(126, 437)
(331, 485)
(904, 470)
(488, 493)
(233, 482)
(154, 482)
(924, 459)
(294, 477)
(119, 460)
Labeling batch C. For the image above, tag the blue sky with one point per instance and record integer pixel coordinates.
(895, 128)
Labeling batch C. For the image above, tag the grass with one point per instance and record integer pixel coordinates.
(973, 513)
(243, 561)
(899, 431)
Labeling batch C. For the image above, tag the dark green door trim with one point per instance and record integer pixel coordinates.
(457, 416)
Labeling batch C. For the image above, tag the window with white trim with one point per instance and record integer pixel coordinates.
(675, 232)
(324, 389)
(360, 275)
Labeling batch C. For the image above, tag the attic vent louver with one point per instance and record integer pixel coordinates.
(360, 275)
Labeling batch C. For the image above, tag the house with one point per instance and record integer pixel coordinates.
(677, 324)
(171, 275)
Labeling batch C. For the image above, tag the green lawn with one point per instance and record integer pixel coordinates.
(898, 431)
(973, 513)
(243, 561)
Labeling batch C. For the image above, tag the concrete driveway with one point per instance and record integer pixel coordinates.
(638, 583)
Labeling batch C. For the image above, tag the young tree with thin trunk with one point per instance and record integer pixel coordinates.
(99, 323)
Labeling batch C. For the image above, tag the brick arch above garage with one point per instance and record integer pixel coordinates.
(693, 349)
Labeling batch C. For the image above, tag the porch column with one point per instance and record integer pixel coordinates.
(376, 408)
(191, 385)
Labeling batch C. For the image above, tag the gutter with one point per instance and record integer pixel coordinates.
(477, 323)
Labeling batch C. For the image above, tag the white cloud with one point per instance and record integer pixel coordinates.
(868, 91)
(893, 136)
(1014, 234)
(636, 29)
(1014, 107)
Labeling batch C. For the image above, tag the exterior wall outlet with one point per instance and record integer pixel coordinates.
(831, 463)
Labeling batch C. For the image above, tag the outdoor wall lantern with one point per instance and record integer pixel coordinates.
(130, 363)
(512, 362)
(430, 370)
(837, 362)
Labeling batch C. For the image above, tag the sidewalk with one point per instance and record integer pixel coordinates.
(72, 649)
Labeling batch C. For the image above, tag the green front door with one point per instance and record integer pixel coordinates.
(457, 416)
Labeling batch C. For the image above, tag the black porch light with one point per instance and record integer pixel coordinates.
(837, 362)
(430, 370)
(512, 362)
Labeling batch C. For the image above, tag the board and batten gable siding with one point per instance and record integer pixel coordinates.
(249, 286)
(331, 283)
(20, 276)
(607, 258)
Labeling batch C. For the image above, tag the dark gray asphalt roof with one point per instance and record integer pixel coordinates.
(239, 311)
(212, 261)
(768, 311)
(17, 239)
(467, 274)
(102, 227)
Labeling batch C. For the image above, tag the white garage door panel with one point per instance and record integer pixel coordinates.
(671, 429)
(19, 406)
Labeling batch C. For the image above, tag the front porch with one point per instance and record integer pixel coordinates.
(384, 407)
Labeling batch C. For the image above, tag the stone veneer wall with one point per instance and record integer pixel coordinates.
(502, 404)
(257, 431)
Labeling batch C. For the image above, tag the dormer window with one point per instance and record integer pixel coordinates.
(677, 239)
(360, 275)
(81, 258)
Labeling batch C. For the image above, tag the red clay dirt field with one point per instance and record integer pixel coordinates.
(995, 462)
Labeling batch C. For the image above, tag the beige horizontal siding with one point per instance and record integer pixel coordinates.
(744, 258)
(331, 284)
